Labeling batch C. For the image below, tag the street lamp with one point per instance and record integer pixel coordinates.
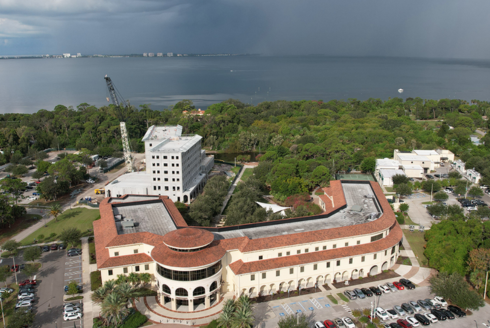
(3, 317)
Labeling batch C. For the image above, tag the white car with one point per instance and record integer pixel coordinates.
(384, 289)
(319, 324)
(399, 310)
(382, 314)
(24, 303)
(71, 311)
(348, 322)
(72, 305)
(90, 181)
(391, 287)
(72, 316)
(32, 198)
(25, 295)
(415, 306)
(432, 318)
(413, 321)
(392, 313)
(5, 289)
(440, 300)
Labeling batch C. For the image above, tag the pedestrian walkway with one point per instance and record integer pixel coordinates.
(87, 300)
(232, 189)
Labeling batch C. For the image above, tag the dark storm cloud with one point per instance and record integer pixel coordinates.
(416, 28)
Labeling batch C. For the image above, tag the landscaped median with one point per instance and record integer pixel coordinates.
(80, 218)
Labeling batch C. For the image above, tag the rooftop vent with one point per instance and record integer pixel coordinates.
(127, 224)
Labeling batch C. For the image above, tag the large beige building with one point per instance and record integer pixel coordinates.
(357, 235)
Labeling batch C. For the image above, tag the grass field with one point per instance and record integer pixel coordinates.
(246, 174)
(235, 169)
(80, 218)
(417, 242)
(21, 224)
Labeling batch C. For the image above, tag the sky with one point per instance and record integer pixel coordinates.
(394, 28)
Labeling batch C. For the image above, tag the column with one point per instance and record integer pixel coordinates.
(191, 305)
(174, 304)
(207, 302)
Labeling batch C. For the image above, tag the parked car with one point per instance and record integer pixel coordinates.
(72, 316)
(367, 292)
(329, 324)
(339, 323)
(79, 288)
(73, 310)
(404, 323)
(440, 300)
(457, 311)
(399, 310)
(448, 314)
(348, 322)
(73, 253)
(14, 268)
(395, 325)
(73, 305)
(46, 248)
(22, 267)
(28, 282)
(441, 316)
(422, 319)
(437, 175)
(391, 287)
(36, 193)
(429, 176)
(399, 285)
(407, 308)
(415, 306)
(407, 283)
(432, 318)
(413, 321)
(350, 294)
(61, 246)
(25, 295)
(359, 293)
(54, 247)
(27, 289)
(24, 303)
(432, 304)
(384, 289)
(380, 312)
(375, 290)
(424, 305)
(392, 313)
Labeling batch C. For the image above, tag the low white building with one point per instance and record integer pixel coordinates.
(176, 167)
(459, 166)
(386, 176)
(406, 158)
(413, 171)
(473, 176)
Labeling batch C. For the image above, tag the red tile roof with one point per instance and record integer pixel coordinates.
(240, 267)
(188, 238)
(337, 193)
(126, 260)
(211, 254)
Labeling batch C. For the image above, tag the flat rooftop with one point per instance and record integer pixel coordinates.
(150, 217)
(132, 198)
(176, 144)
(413, 157)
(355, 194)
(162, 132)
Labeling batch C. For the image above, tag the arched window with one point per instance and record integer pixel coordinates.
(214, 285)
(199, 291)
(166, 289)
(181, 292)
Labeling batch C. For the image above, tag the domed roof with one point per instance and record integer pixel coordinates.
(188, 238)
(170, 258)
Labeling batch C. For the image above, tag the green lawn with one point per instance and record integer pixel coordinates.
(80, 218)
(23, 223)
(235, 169)
(409, 221)
(342, 297)
(247, 173)
(389, 189)
(417, 242)
(91, 248)
(332, 299)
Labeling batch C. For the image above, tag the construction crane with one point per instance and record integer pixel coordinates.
(121, 106)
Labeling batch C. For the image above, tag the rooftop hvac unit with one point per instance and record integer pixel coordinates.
(127, 225)
(118, 217)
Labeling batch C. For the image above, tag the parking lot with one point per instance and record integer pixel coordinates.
(318, 307)
(73, 272)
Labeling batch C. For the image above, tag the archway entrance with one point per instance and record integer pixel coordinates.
(384, 266)
(373, 271)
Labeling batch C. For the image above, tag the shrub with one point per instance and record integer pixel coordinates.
(400, 218)
(95, 280)
(135, 320)
(212, 324)
(5, 254)
(74, 298)
(52, 235)
(40, 237)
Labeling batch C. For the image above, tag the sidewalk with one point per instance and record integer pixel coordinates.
(87, 300)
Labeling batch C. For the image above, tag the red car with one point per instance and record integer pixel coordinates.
(329, 324)
(398, 285)
(28, 282)
(16, 268)
(404, 323)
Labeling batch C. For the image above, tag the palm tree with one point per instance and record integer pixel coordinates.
(145, 278)
(226, 318)
(55, 210)
(99, 295)
(109, 285)
(113, 309)
(134, 278)
(243, 302)
(121, 279)
(243, 317)
(125, 290)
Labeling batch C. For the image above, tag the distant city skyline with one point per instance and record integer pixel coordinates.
(417, 28)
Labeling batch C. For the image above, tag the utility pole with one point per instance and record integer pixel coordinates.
(431, 188)
(15, 271)
(486, 282)
(3, 317)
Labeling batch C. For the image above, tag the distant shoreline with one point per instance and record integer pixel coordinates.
(70, 56)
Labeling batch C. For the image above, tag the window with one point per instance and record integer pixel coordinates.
(338, 262)
(154, 172)
(158, 179)
(178, 188)
(166, 187)
(298, 251)
(150, 145)
(153, 164)
(177, 164)
(154, 187)
(377, 237)
(147, 267)
(324, 247)
(154, 179)
(173, 188)
(116, 253)
(166, 179)
(109, 272)
(137, 268)
(125, 270)
(302, 269)
(159, 187)
(173, 164)
(158, 157)
(158, 171)
(363, 258)
(315, 266)
(176, 157)
(261, 257)
(328, 264)
(334, 246)
(351, 260)
(393, 249)
(375, 256)
(252, 277)
(135, 251)
(177, 172)
(317, 249)
(165, 164)
(306, 250)
(386, 252)
(165, 172)
(153, 157)
(346, 244)
(358, 242)
(264, 275)
(164, 157)
(172, 157)
(158, 164)
(278, 273)
(288, 253)
(291, 270)
(279, 254)
(173, 172)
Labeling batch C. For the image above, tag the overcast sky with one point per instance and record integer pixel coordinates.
(401, 28)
